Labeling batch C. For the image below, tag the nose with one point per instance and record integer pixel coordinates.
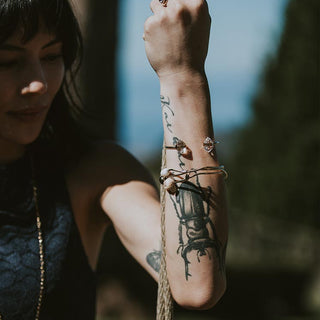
(36, 81)
(35, 87)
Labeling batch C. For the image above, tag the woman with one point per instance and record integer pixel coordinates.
(59, 191)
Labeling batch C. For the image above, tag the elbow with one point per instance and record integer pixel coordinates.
(200, 299)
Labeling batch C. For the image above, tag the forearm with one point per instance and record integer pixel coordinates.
(196, 218)
(176, 41)
(190, 118)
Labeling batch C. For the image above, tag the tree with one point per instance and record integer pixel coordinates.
(276, 167)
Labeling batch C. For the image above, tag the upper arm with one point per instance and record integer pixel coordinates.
(129, 198)
(134, 211)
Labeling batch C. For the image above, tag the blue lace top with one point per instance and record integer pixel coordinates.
(69, 280)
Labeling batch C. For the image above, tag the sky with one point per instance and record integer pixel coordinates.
(243, 34)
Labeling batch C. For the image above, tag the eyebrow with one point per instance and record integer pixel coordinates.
(9, 47)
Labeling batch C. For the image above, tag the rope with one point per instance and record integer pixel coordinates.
(165, 301)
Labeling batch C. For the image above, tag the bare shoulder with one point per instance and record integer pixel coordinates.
(107, 164)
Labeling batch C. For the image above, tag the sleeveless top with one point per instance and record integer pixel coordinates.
(70, 283)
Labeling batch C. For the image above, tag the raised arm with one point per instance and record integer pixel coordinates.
(176, 40)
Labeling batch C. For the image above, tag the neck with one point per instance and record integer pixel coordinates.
(10, 152)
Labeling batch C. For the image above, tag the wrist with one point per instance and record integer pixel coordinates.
(183, 78)
(191, 85)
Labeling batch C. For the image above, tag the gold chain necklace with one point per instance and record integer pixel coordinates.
(41, 252)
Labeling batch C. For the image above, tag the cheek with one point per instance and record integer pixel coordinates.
(7, 92)
(55, 79)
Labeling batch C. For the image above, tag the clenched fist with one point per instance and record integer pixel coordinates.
(176, 36)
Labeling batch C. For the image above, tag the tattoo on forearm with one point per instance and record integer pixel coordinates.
(166, 107)
(154, 260)
(197, 232)
(181, 163)
(192, 206)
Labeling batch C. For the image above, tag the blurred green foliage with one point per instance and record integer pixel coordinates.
(275, 169)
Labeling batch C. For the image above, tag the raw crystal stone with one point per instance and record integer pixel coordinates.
(209, 144)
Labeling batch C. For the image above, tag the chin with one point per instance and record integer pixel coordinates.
(29, 137)
(17, 133)
(23, 128)
(28, 140)
(23, 137)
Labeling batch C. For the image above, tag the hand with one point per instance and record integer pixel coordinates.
(176, 37)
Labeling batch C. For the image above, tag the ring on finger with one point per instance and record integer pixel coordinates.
(163, 2)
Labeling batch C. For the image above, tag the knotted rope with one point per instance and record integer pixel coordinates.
(165, 301)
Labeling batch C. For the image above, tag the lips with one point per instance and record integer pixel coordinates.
(28, 111)
(29, 114)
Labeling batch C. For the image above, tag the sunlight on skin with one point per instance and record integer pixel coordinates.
(31, 74)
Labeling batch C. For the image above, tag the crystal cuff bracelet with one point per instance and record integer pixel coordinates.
(209, 144)
(181, 147)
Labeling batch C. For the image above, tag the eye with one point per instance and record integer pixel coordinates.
(52, 57)
(8, 64)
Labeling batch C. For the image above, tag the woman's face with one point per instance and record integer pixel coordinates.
(30, 76)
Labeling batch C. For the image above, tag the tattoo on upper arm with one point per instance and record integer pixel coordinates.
(154, 260)
(166, 107)
(197, 232)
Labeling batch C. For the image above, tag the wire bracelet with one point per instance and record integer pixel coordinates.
(169, 178)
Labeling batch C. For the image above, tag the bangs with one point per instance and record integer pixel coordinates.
(26, 14)
(57, 16)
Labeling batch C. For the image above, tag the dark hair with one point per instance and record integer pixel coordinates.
(62, 129)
